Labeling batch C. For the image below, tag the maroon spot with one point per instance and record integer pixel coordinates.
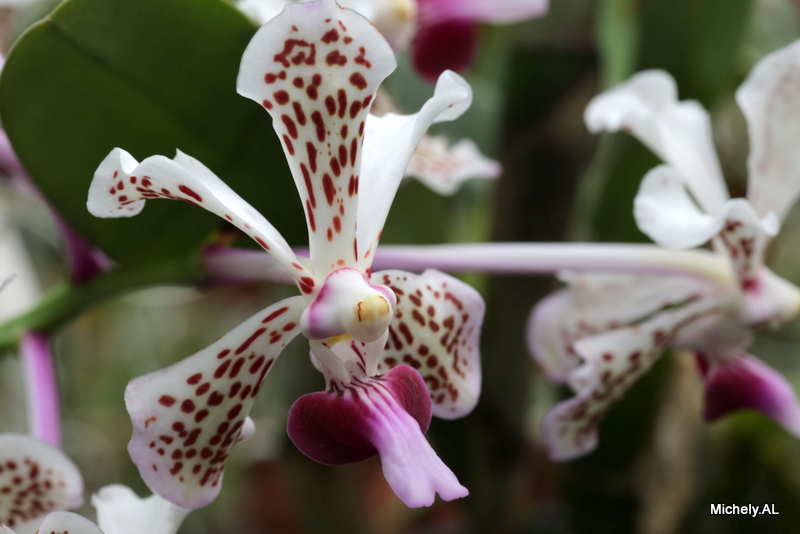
(277, 313)
(262, 243)
(337, 170)
(357, 79)
(237, 367)
(234, 389)
(146, 182)
(223, 353)
(355, 108)
(257, 364)
(291, 127)
(123, 198)
(288, 144)
(342, 155)
(330, 104)
(327, 186)
(335, 58)
(193, 435)
(361, 59)
(330, 37)
(406, 333)
(243, 347)
(348, 40)
(216, 398)
(234, 412)
(267, 104)
(298, 112)
(199, 416)
(316, 118)
(312, 161)
(298, 82)
(353, 151)
(187, 406)
(299, 57)
(166, 400)
(281, 97)
(194, 379)
(185, 190)
(330, 235)
(342, 96)
(222, 369)
(310, 214)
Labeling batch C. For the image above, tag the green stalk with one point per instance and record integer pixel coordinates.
(64, 302)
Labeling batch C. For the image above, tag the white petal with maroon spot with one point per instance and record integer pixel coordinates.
(443, 168)
(595, 303)
(121, 511)
(612, 362)
(316, 68)
(647, 107)
(770, 101)
(436, 330)
(389, 142)
(745, 238)
(35, 479)
(187, 417)
(68, 523)
(121, 185)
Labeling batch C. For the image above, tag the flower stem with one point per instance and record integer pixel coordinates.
(43, 404)
(534, 258)
(64, 301)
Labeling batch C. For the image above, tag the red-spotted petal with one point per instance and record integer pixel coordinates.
(316, 68)
(612, 362)
(443, 168)
(387, 414)
(647, 107)
(596, 303)
(67, 523)
(35, 479)
(436, 330)
(187, 417)
(389, 142)
(769, 100)
(121, 185)
(746, 237)
(121, 511)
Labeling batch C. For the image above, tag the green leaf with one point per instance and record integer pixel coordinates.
(148, 76)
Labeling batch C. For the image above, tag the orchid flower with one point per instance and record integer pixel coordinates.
(437, 165)
(603, 332)
(35, 480)
(443, 34)
(38, 482)
(394, 347)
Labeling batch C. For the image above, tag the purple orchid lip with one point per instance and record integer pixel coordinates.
(387, 415)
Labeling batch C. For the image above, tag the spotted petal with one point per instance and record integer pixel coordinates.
(35, 479)
(612, 362)
(187, 417)
(770, 101)
(442, 168)
(387, 415)
(389, 142)
(68, 523)
(678, 132)
(744, 382)
(121, 185)
(595, 303)
(121, 511)
(436, 330)
(316, 68)
(746, 237)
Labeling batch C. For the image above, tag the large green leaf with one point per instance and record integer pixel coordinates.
(149, 76)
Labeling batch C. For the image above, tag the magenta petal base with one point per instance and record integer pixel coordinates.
(745, 383)
(387, 415)
(448, 45)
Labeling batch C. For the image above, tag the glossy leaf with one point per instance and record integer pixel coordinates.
(151, 77)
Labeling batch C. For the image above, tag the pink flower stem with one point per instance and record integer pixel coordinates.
(43, 404)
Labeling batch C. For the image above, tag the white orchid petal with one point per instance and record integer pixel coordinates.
(316, 68)
(666, 213)
(678, 132)
(68, 523)
(35, 479)
(121, 511)
(612, 362)
(121, 185)
(389, 143)
(436, 330)
(595, 303)
(745, 238)
(770, 101)
(187, 417)
(443, 168)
